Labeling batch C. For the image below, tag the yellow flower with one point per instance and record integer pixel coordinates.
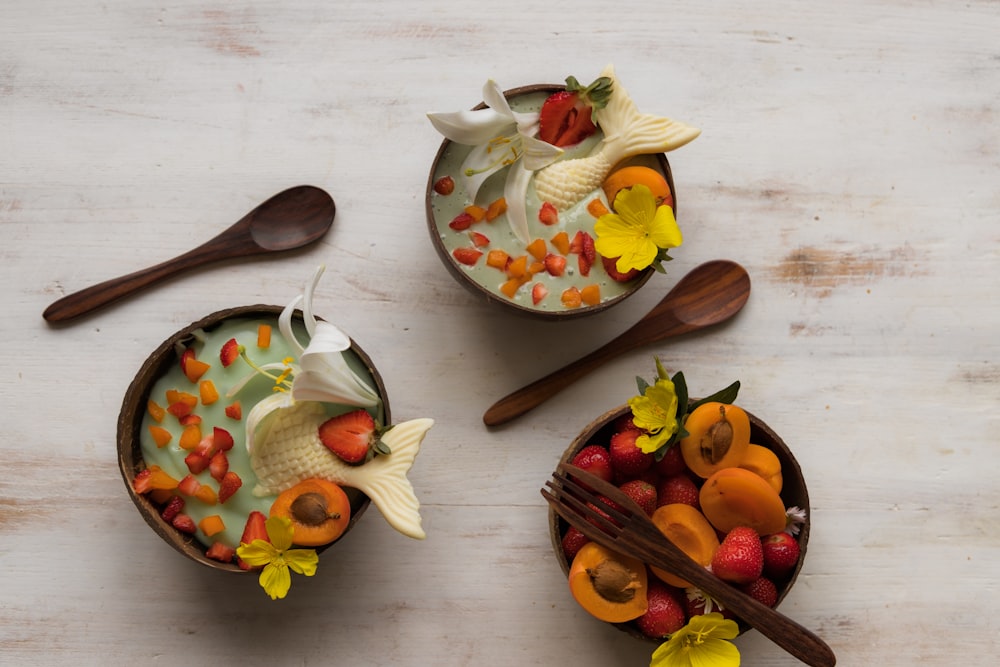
(703, 642)
(639, 233)
(655, 412)
(277, 557)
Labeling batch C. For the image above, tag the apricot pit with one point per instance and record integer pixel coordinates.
(318, 509)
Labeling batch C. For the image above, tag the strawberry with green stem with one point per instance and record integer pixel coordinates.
(567, 117)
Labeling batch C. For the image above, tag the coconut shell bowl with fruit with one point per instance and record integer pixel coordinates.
(554, 201)
(717, 481)
(255, 438)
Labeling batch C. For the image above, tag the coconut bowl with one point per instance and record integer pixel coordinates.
(793, 493)
(486, 281)
(134, 420)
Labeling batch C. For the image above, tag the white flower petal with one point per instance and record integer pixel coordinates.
(515, 191)
(285, 325)
(479, 165)
(470, 128)
(324, 374)
(539, 154)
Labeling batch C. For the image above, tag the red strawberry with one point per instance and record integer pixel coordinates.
(222, 439)
(781, 554)
(626, 421)
(461, 221)
(596, 460)
(184, 523)
(234, 411)
(614, 273)
(583, 245)
(189, 485)
(555, 264)
(186, 355)
(350, 436)
(172, 508)
(255, 529)
(627, 460)
(740, 558)
(677, 489)
(672, 462)
(571, 541)
(229, 485)
(218, 466)
(566, 117)
(220, 552)
(140, 483)
(548, 214)
(763, 590)
(196, 462)
(538, 292)
(467, 256)
(230, 350)
(666, 613)
(479, 240)
(444, 185)
(642, 493)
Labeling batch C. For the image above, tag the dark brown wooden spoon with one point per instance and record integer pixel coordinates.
(290, 219)
(710, 293)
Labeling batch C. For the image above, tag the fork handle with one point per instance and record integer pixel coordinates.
(797, 640)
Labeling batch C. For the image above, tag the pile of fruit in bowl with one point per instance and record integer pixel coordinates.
(256, 438)
(554, 201)
(716, 481)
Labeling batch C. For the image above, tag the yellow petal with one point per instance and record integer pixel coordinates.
(258, 552)
(303, 561)
(275, 580)
(279, 530)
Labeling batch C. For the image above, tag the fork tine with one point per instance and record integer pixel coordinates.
(576, 489)
(582, 511)
(606, 489)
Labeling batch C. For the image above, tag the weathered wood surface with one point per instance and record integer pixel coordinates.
(849, 159)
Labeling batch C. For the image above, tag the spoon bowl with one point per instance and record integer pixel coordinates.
(290, 219)
(709, 294)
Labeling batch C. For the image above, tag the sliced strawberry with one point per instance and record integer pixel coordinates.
(186, 355)
(220, 552)
(548, 214)
(478, 239)
(222, 438)
(229, 485)
(468, 256)
(444, 185)
(185, 524)
(614, 273)
(461, 222)
(255, 529)
(172, 508)
(566, 117)
(218, 466)
(555, 264)
(583, 245)
(189, 419)
(196, 462)
(151, 479)
(350, 436)
(180, 409)
(538, 292)
(206, 447)
(234, 411)
(189, 485)
(229, 352)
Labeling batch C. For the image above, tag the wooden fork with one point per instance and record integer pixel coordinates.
(626, 529)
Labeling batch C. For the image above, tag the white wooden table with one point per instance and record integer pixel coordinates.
(849, 159)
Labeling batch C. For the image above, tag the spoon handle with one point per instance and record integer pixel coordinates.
(91, 298)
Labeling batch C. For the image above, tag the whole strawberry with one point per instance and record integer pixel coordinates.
(672, 462)
(627, 460)
(665, 614)
(572, 540)
(596, 460)
(740, 557)
(677, 489)
(781, 554)
(763, 590)
(642, 493)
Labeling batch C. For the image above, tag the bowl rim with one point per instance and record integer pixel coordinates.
(484, 294)
(791, 471)
(130, 459)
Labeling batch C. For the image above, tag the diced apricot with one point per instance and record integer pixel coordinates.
(510, 287)
(190, 436)
(597, 208)
(537, 249)
(498, 259)
(155, 410)
(212, 525)
(571, 297)
(180, 409)
(234, 410)
(591, 294)
(496, 208)
(264, 336)
(161, 436)
(561, 242)
(177, 396)
(536, 267)
(195, 368)
(477, 213)
(209, 394)
(518, 267)
(160, 496)
(207, 495)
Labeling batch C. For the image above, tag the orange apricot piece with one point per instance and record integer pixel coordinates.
(318, 509)
(597, 208)
(537, 249)
(161, 436)
(212, 525)
(627, 177)
(591, 294)
(764, 462)
(561, 242)
(690, 532)
(496, 208)
(518, 267)
(498, 259)
(718, 437)
(190, 436)
(209, 394)
(736, 497)
(263, 336)
(608, 585)
(477, 213)
(156, 411)
(571, 297)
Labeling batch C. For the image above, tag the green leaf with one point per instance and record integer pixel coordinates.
(681, 389)
(641, 384)
(727, 395)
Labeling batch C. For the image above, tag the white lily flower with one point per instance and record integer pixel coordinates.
(500, 137)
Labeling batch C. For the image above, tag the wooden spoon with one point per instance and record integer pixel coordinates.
(290, 219)
(710, 293)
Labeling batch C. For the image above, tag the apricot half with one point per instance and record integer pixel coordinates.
(610, 586)
(627, 177)
(319, 511)
(737, 497)
(763, 462)
(718, 437)
(690, 532)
